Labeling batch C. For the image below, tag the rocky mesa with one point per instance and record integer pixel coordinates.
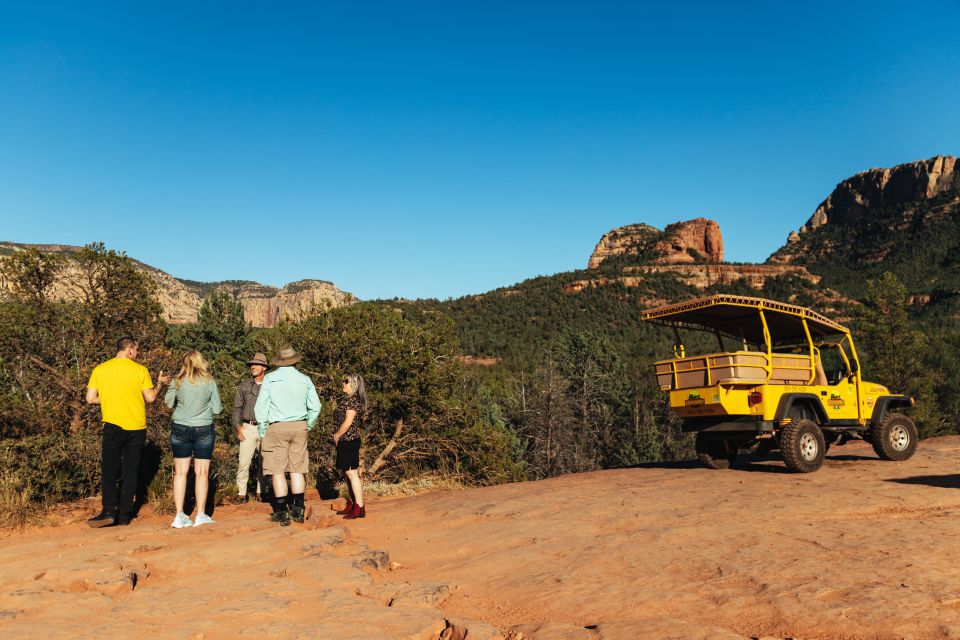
(912, 194)
(697, 240)
(263, 305)
(691, 250)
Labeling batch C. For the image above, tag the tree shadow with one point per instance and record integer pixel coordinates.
(949, 481)
(848, 457)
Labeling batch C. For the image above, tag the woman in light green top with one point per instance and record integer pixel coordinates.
(194, 398)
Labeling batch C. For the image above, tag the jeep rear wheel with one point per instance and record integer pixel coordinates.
(715, 454)
(802, 446)
(895, 438)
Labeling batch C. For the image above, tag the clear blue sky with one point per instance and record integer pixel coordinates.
(443, 148)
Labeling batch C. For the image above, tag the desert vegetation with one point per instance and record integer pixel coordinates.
(571, 389)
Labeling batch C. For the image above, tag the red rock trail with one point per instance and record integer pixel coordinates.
(862, 549)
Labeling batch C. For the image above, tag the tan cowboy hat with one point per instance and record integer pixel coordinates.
(286, 358)
(258, 358)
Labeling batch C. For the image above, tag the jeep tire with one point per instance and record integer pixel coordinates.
(895, 438)
(713, 453)
(802, 446)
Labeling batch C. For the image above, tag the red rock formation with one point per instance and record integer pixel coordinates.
(701, 236)
(687, 242)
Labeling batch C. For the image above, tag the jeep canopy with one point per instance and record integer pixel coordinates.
(742, 318)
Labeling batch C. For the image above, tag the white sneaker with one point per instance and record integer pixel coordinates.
(181, 520)
(203, 518)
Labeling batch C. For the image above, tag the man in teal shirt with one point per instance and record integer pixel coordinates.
(287, 407)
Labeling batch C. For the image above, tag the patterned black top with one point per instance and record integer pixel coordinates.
(340, 414)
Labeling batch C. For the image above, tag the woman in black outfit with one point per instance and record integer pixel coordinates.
(348, 416)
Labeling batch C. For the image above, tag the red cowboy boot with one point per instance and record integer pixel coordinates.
(347, 508)
(358, 512)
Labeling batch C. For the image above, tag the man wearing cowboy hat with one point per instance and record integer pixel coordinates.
(288, 407)
(245, 422)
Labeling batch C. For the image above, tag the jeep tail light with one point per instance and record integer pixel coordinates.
(755, 397)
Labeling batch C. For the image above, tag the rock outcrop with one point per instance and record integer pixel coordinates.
(700, 276)
(687, 242)
(858, 200)
(263, 306)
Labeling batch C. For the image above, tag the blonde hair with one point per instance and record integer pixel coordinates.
(194, 368)
(359, 387)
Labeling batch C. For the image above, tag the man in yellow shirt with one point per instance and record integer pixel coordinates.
(122, 387)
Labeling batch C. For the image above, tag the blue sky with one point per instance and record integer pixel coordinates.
(436, 149)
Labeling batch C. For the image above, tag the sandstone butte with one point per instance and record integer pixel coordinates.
(691, 250)
(856, 199)
(861, 550)
(263, 306)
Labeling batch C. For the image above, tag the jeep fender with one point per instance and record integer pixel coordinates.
(887, 403)
(789, 400)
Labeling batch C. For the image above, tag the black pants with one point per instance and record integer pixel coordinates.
(120, 460)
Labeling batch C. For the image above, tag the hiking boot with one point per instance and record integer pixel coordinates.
(104, 519)
(297, 514)
(181, 521)
(282, 518)
(346, 509)
(202, 519)
(123, 520)
(358, 512)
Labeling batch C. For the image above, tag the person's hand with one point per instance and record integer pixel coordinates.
(164, 379)
(336, 439)
(240, 435)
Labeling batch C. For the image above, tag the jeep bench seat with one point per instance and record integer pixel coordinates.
(737, 368)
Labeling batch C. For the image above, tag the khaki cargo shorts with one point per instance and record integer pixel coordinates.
(284, 448)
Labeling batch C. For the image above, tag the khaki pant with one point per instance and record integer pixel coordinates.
(248, 446)
(284, 448)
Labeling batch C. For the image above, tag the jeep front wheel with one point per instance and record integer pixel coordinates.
(895, 438)
(802, 446)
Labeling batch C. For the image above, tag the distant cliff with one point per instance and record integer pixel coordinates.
(263, 305)
(904, 219)
(895, 201)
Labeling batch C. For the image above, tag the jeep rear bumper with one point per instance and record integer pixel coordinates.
(747, 426)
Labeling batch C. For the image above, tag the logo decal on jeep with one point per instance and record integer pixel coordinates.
(835, 401)
(694, 400)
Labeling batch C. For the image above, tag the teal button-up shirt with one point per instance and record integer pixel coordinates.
(286, 395)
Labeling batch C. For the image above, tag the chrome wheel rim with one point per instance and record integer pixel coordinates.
(899, 438)
(808, 447)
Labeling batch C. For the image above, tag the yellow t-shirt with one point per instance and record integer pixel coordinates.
(120, 383)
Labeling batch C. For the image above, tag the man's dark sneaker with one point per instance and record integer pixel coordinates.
(282, 518)
(103, 520)
(297, 515)
(123, 519)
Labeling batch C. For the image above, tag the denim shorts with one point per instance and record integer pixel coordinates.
(192, 441)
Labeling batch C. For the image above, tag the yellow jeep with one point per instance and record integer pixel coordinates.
(784, 377)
